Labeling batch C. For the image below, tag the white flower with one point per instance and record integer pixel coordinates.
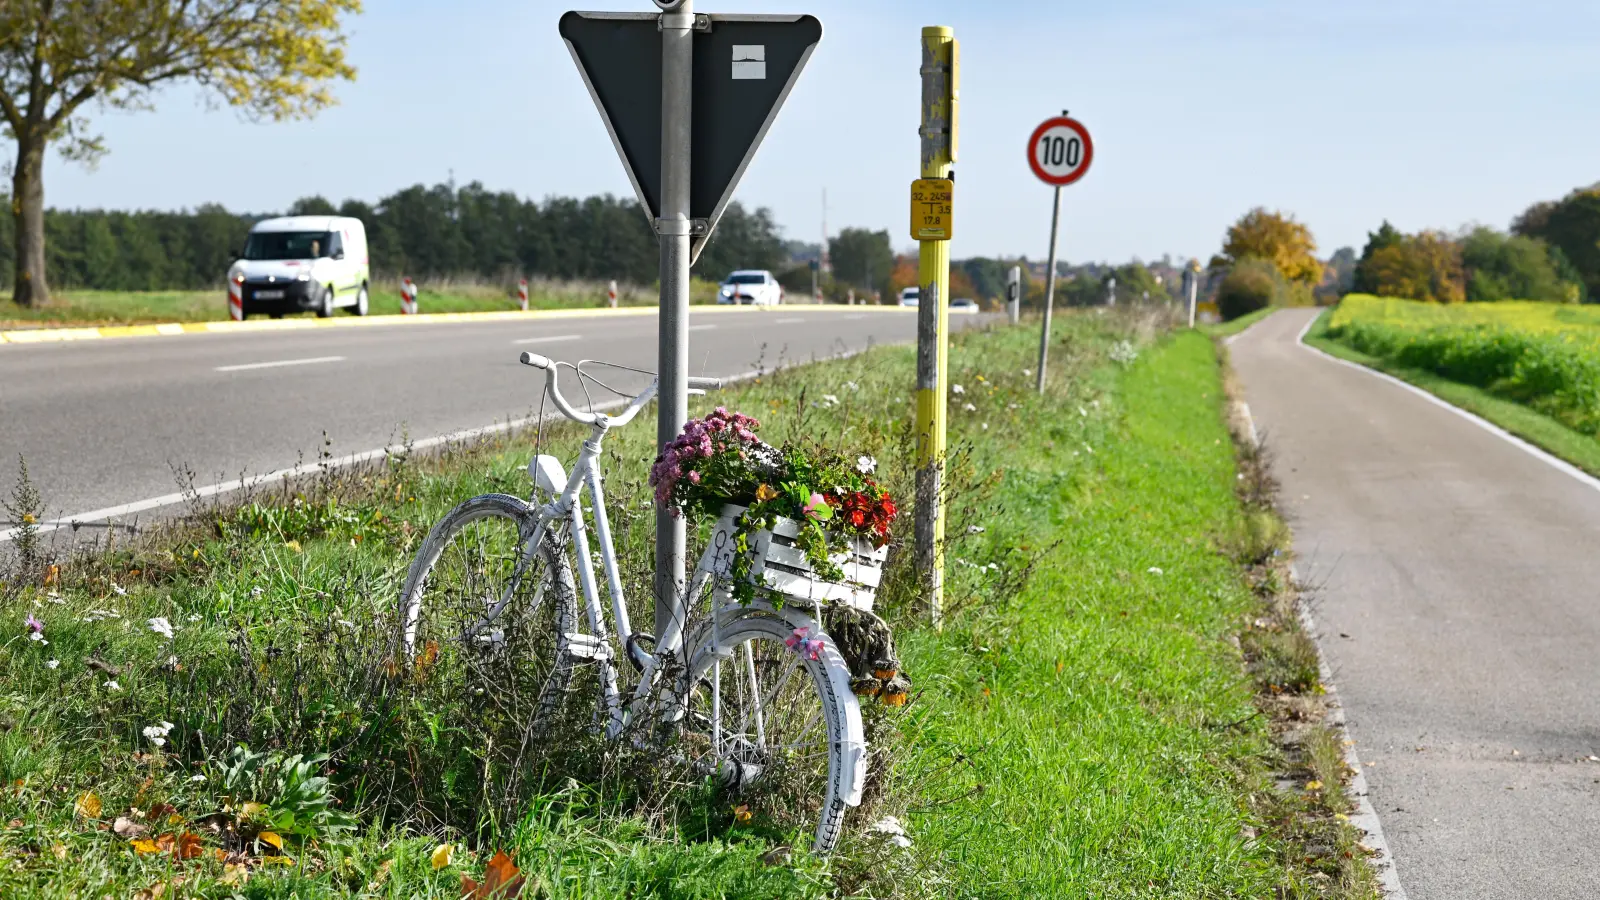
(112, 685)
(194, 617)
(161, 626)
(969, 407)
(38, 636)
(829, 400)
(158, 733)
(1027, 371)
(347, 623)
(1083, 412)
(957, 389)
(256, 591)
(118, 589)
(51, 664)
(1154, 570)
(890, 828)
(975, 529)
(986, 426)
(851, 386)
(197, 778)
(866, 465)
(1123, 352)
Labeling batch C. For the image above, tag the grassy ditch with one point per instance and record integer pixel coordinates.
(142, 307)
(1507, 410)
(1082, 726)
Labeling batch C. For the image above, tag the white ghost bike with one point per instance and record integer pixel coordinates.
(756, 694)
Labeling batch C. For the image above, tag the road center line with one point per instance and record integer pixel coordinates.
(701, 327)
(550, 339)
(280, 363)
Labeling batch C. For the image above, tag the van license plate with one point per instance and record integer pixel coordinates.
(269, 295)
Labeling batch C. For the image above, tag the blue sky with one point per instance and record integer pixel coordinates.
(1432, 114)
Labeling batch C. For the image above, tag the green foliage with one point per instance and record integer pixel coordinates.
(1571, 225)
(1502, 267)
(1365, 281)
(862, 258)
(1136, 283)
(296, 799)
(1250, 285)
(423, 232)
(1542, 355)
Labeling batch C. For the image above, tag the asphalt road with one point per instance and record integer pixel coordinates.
(105, 423)
(1458, 578)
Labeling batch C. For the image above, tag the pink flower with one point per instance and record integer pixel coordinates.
(694, 477)
(34, 625)
(810, 648)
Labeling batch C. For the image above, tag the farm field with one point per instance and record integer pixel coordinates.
(1545, 356)
(1083, 726)
(70, 307)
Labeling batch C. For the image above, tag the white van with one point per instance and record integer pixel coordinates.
(297, 263)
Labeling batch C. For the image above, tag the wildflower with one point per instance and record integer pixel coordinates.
(975, 529)
(866, 465)
(851, 386)
(829, 400)
(161, 626)
(1083, 412)
(118, 589)
(892, 830)
(112, 685)
(33, 624)
(957, 389)
(256, 591)
(194, 617)
(1026, 372)
(197, 778)
(969, 407)
(1154, 570)
(158, 733)
(818, 508)
(766, 492)
(808, 647)
(51, 664)
(986, 426)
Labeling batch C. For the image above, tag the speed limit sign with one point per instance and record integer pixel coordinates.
(1060, 151)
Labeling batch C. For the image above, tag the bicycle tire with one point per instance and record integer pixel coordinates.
(827, 680)
(537, 637)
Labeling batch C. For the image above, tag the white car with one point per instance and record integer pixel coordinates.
(297, 263)
(909, 296)
(753, 287)
(963, 305)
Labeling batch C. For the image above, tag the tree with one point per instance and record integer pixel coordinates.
(1135, 281)
(272, 59)
(1251, 285)
(1571, 225)
(1424, 266)
(1386, 236)
(1276, 238)
(1513, 267)
(862, 258)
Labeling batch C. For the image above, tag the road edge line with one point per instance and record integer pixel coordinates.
(1536, 452)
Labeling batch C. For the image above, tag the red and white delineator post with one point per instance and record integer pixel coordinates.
(522, 294)
(236, 298)
(611, 294)
(408, 297)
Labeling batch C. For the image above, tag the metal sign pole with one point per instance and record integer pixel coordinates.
(675, 230)
(1193, 277)
(1049, 290)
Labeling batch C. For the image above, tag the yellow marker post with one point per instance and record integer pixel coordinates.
(932, 224)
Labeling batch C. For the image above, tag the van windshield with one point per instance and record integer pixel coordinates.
(288, 244)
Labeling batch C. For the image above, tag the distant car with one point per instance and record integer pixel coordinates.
(752, 287)
(909, 296)
(297, 263)
(964, 305)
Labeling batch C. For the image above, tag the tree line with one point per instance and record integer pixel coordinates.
(421, 231)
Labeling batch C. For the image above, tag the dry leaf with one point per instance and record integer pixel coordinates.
(270, 837)
(251, 810)
(1313, 785)
(188, 846)
(125, 827)
(276, 861)
(426, 659)
(87, 805)
(234, 874)
(152, 892)
(441, 856)
(502, 880)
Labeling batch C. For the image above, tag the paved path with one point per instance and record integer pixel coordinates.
(103, 423)
(1459, 600)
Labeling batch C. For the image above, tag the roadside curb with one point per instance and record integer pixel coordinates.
(168, 329)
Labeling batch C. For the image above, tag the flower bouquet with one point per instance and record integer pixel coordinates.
(793, 524)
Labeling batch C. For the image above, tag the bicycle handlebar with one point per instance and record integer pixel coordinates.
(551, 369)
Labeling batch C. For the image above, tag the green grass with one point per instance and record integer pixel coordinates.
(1083, 726)
(1546, 432)
(73, 307)
(1228, 329)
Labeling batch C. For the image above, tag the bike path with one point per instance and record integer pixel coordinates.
(1457, 588)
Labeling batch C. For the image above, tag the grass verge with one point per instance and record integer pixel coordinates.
(81, 308)
(1083, 725)
(1545, 432)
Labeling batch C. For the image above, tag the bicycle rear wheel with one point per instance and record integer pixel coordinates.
(481, 622)
(776, 725)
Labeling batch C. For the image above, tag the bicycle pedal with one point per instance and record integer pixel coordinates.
(585, 646)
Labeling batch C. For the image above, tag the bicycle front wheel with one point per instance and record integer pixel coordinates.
(481, 620)
(775, 725)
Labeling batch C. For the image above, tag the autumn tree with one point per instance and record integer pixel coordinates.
(1276, 238)
(1386, 236)
(1424, 266)
(271, 59)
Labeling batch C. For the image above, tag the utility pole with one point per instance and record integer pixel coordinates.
(931, 213)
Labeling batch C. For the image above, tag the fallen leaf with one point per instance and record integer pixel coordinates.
(234, 874)
(1313, 785)
(87, 805)
(441, 856)
(188, 846)
(502, 880)
(271, 837)
(125, 827)
(741, 813)
(276, 861)
(152, 892)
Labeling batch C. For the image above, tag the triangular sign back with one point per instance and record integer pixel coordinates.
(744, 68)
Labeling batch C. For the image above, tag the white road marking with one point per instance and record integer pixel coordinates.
(280, 363)
(789, 321)
(701, 327)
(551, 339)
(1551, 460)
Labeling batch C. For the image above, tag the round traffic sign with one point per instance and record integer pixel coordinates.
(1060, 151)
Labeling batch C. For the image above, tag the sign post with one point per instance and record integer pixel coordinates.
(686, 98)
(1059, 152)
(1014, 293)
(932, 225)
